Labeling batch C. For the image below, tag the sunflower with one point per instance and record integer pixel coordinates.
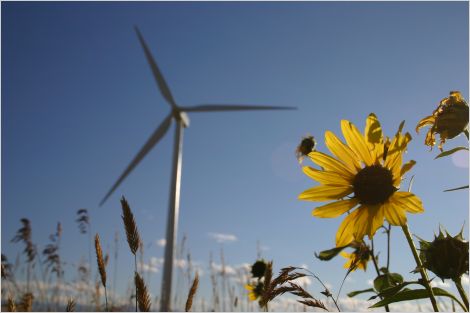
(358, 259)
(448, 120)
(368, 167)
(255, 290)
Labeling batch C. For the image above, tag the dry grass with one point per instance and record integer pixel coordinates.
(70, 306)
(101, 266)
(132, 233)
(192, 293)
(26, 304)
(143, 297)
(100, 260)
(11, 304)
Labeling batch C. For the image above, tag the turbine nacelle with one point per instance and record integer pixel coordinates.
(181, 116)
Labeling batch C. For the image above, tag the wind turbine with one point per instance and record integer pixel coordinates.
(178, 113)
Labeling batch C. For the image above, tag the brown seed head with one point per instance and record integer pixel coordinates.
(192, 292)
(100, 260)
(132, 233)
(143, 298)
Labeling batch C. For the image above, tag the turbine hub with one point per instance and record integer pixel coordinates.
(181, 116)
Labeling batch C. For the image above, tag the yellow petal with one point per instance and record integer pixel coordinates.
(326, 178)
(331, 164)
(345, 254)
(430, 139)
(373, 130)
(376, 219)
(396, 170)
(362, 265)
(345, 233)
(335, 209)
(407, 201)
(368, 220)
(406, 167)
(325, 193)
(249, 287)
(349, 261)
(356, 141)
(428, 120)
(394, 215)
(342, 152)
(397, 147)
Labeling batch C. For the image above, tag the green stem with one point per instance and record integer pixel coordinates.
(389, 229)
(422, 270)
(463, 295)
(374, 261)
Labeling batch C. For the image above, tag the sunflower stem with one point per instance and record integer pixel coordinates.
(463, 294)
(389, 229)
(422, 270)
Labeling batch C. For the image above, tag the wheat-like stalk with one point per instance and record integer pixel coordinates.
(11, 304)
(101, 265)
(132, 233)
(192, 292)
(27, 302)
(142, 295)
(100, 260)
(70, 305)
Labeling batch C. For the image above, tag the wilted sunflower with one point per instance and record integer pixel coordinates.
(448, 120)
(369, 169)
(358, 259)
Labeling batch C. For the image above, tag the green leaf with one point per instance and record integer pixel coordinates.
(327, 255)
(357, 292)
(458, 188)
(449, 152)
(393, 290)
(387, 281)
(415, 294)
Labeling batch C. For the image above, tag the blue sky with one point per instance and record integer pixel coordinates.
(78, 101)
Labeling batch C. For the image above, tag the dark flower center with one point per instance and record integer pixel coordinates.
(373, 185)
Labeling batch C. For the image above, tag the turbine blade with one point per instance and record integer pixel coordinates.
(162, 85)
(232, 107)
(151, 142)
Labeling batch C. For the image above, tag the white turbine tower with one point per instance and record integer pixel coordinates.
(178, 113)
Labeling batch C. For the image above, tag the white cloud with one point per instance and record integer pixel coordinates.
(304, 281)
(465, 280)
(161, 242)
(370, 282)
(439, 283)
(221, 238)
(153, 266)
(229, 270)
